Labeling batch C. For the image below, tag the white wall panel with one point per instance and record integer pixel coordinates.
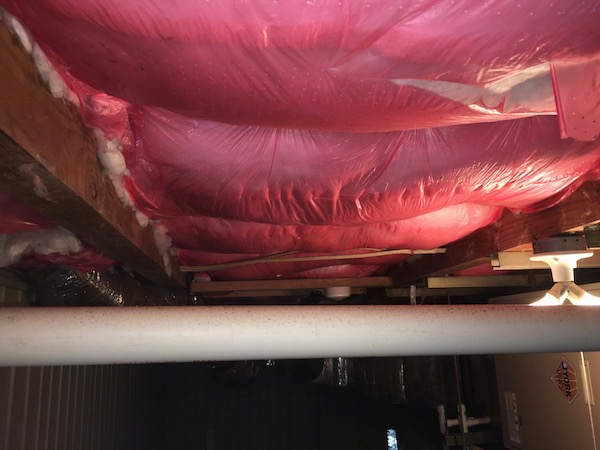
(70, 407)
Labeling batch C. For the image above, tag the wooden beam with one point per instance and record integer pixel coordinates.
(310, 283)
(580, 209)
(288, 259)
(49, 161)
(275, 293)
(521, 261)
(478, 281)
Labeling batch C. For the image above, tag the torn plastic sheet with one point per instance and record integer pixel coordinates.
(522, 93)
(317, 65)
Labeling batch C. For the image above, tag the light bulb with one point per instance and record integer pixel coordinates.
(587, 300)
(580, 297)
(554, 297)
(548, 300)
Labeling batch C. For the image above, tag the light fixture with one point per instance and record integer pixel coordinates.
(561, 253)
(338, 293)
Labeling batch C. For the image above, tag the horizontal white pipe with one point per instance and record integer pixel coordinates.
(470, 421)
(102, 335)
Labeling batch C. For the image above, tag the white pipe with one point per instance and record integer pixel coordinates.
(473, 421)
(442, 419)
(469, 421)
(101, 335)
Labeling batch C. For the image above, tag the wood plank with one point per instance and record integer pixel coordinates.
(520, 261)
(425, 295)
(49, 161)
(477, 281)
(265, 293)
(581, 209)
(288, 259)
(312, 283)
(274, 293)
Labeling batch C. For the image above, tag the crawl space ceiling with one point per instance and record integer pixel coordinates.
(248, 130)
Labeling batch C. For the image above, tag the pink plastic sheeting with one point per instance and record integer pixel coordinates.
(425, 231)
(220, 239)
(277, 190)
(87, 260)
(372, 65)
(288, 177)
(15, 216)
(284, 76)
(577, 91)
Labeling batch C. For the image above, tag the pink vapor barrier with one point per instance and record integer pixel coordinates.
(374, 65)
(307, 129)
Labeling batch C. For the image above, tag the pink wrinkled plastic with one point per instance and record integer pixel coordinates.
(87, 260)
(221, 239)
(257, 128)
(277, 190)
(15, 216)
(577, 93)
(425, 231)
(185, 166)
(302, 64)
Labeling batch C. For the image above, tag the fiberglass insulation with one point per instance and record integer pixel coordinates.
(325, 127)
(28, 240)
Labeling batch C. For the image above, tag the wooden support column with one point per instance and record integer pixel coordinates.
(48, 160)
(511, 230)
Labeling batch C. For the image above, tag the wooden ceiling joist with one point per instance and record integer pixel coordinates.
(49, 161)
(309, 283)
(580, 209)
